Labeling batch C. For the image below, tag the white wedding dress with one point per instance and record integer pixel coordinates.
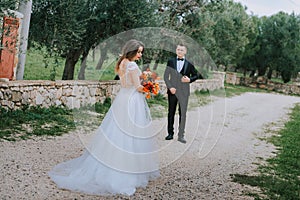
(121, 154)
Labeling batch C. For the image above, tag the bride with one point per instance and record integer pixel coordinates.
(120, 156)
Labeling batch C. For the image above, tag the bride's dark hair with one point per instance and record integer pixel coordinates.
(129, 50)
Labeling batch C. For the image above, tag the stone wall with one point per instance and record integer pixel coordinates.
(231, 78)
(263, 83)
(74, 94)
(71, 94)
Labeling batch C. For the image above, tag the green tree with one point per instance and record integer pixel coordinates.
(282, 44)
(71, 28)
(7, 4)
(221, 27)
(248, 60)
(181, 16)
(231, 30)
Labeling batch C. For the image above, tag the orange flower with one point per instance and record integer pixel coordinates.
(148, 95)
(148, 81)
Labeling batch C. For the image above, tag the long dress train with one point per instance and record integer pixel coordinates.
(121, 155)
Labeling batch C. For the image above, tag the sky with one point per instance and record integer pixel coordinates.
(270, 7)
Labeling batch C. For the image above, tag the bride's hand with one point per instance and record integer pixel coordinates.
(140, 89)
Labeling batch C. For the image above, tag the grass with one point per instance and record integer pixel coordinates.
(34, 121)
(204, 97)
(280, 177)
(274, 79)
(233, 90)
(39, 66)
(53, 121)
(158, 105)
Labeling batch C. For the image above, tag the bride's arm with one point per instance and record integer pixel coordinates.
(135, 78)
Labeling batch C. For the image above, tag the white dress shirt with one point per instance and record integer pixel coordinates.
(180, 64)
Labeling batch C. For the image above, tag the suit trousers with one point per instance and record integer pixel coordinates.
(173, 100)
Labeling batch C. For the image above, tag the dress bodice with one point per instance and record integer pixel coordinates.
(129, 74)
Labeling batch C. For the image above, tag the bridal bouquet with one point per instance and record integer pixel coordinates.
(151, 87)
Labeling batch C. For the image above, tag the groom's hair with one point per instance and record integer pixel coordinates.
(182, 45)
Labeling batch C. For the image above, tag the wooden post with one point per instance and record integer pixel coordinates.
(8, 47)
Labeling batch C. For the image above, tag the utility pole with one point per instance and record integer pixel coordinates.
(24, 8)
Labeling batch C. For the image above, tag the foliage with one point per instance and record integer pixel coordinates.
(71, 28)
(68, 30)
(187, 17)
(279, 179)
(221, 27)
(7, 4)
(250, 56)
(158, 99)
(274, 47)
(282, 43)
(103, 107)
(230, 31)
(42, 66)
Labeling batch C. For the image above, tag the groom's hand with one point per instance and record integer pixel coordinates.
(185, 79)
(172, 90)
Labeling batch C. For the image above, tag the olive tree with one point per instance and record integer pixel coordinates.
(71, 28)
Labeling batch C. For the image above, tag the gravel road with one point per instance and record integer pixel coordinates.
(223, 137)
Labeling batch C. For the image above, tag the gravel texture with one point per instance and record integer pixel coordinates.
(224, 138)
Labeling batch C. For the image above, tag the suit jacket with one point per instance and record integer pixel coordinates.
(172, 77)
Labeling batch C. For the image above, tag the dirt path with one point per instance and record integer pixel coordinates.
(223, 139)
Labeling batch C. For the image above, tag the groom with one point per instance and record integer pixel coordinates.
(178, 75)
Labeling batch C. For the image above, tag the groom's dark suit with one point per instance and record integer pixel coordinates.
(172, 79)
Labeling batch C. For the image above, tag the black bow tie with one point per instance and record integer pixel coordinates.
(180, 59)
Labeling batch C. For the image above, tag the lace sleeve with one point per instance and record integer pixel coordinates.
(134, 75)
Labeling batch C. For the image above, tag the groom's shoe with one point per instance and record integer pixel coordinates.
(182, 140)
(169, 137)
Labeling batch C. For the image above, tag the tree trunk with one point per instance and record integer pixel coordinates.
(155, 64)
(93, 54)
(269, 74)
(103, 55)
(71, 60)
(252, 73)
(146, 66)
(261, 70)
(244, 72)
(286, 76)
(81, 74)
(25, 9)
